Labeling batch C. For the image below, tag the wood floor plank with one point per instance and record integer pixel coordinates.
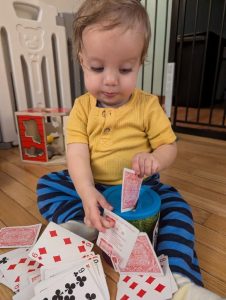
(12, 214)
(20, 194)
(112, 287)
(5, 293)
(22, 176)
(204, 183)
(216, 223)
(211, 261)
(2, 224)
(193, 139)
(213, 284)
(197, 196)
(202, 169)
(205, 202)
(210, 238)
(16, 190)
(200, 216)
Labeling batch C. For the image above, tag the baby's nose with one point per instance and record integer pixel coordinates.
(111, 78)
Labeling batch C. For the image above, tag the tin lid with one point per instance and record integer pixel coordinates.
(148, 204)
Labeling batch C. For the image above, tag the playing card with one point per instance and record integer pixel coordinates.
(143, 259)
(56, 272)
(59, 270)
(100, 276)
(144, 287)
(26, 294)
(155, 234)
(131, 184)
(16, 266)
(4, 259)
(27, 279)
(20, 236)
(76, 284)
(147, 286)
(163, 259)
(115, 262)
(4, 281)
(50, 271)
(57, 244)
(119, 240)
(45, 284)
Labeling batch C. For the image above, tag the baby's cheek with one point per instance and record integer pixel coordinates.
(91, 83)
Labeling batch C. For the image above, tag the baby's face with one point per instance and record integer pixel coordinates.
(111, 62)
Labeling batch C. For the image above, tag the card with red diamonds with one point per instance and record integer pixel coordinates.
(146, 287)
(57, 244)
(14, 264)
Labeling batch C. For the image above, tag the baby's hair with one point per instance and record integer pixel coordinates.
(111, 13)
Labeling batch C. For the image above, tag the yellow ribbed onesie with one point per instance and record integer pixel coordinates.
(115, 135)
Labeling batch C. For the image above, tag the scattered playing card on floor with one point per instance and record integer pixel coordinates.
(130, 190)
(5, 259)
(146, 287)
(19, 236)
(58, 244)
(76, 284)
(143, 259)
(16, 266)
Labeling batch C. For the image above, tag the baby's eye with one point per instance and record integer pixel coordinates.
(97, 69)
(125, 71)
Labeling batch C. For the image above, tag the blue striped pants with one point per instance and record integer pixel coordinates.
(59, 202)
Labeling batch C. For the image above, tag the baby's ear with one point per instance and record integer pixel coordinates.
(80, 58)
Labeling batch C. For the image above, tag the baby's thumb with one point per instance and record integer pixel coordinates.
(104, 204)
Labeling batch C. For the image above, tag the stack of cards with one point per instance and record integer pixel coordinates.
(142, 274)
(61, 265)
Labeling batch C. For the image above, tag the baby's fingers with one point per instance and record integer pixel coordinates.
(136, 165)
(93, 219)
(108, 222)
(155, 166)
(104, 204)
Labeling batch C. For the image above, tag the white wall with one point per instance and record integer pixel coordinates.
(65, 5)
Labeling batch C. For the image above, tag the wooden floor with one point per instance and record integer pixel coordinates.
(199, 173)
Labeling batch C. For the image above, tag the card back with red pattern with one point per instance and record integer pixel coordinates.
(130, 190)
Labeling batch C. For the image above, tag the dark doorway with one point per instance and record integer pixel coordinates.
(198, 47)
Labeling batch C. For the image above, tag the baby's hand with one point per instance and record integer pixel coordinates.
(91, 203)
(145, 164)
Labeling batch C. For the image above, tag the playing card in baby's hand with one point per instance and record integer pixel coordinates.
(131, 185)
(119, 240)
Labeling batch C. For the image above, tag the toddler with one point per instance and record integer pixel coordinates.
(115, 125)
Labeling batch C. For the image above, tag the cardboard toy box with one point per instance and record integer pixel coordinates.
(41, 135)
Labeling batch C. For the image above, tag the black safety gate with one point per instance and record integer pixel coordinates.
(198, 48)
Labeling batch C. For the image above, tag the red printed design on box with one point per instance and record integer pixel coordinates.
(32, 138)
(41, 136)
